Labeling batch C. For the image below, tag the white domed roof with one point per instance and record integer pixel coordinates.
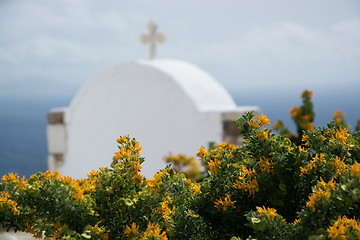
(205, 92)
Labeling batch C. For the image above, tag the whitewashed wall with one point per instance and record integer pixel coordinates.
(169, 106)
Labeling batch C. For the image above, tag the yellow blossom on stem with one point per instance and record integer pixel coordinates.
(355, 170)
(167, 211)
(341, 228)
(262, 134)
(122, 139)
(341, 135)
(156, 181)
(67, 180)
(265, 164)
(263, 120)
(202, 153)
(7, 203)
(253, 124)
(269, 213)
(247, 181)
(297, 221)
(339, 165)
(301, 149)
(132, 231)
(11, 177)
(305, 139)
(314, 163)
(194, 187)
(224, 203)
(152, 232)
(321, 192)
(214, 165)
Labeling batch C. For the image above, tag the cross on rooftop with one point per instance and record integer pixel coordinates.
(152, 38)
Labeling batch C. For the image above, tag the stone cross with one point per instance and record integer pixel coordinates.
(152, 38)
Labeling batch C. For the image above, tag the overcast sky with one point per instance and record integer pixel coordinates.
(277, 45)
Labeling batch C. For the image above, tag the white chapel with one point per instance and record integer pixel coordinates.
(169, 106)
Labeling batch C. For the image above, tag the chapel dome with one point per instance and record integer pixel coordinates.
(204, 91)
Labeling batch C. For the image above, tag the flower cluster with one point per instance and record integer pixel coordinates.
(265, 164)
(315, 163)
(303, 117)
(321, 191)
(269, 213)
(224, 203)
(247, 180)
(344, 228)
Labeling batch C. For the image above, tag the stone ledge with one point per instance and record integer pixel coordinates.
(56, 118)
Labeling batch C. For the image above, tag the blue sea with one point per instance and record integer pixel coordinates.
(23, 146)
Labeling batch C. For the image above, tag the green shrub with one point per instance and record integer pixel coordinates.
(271, 187)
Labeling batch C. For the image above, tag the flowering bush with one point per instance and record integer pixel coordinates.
(268, 188)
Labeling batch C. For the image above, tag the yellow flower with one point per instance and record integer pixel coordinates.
(202, 153)
(153, 232)
(196, 189)
(269, 213)
(297, 221)
(122, 139)
(247, 181)
(339, 165)
(341, 135)
(78, 191)
(132, 231)
(262, 134)
(156, 181)
(314, 163)
(305, 139)
(253, 124)
(224, 203)
(321, 192)
(355, 170)
(342, 227)
(214, 165)
(67, 180)
(7, 203)
(265, 164)
(263, 120)
(11, 177)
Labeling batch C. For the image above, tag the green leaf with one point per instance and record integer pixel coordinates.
(255, 220)
(86, 236)
(128, 202)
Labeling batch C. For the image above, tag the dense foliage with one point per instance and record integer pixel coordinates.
(268, 188)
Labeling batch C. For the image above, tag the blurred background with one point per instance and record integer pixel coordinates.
(264, 53)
